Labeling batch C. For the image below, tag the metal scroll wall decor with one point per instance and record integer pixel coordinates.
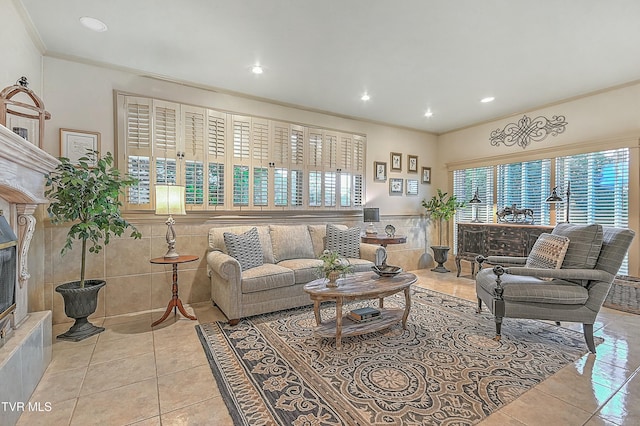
(527, 130)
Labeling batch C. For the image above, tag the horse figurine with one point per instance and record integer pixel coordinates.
(515, 215)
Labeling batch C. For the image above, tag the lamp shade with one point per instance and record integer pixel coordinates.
(554, 197)
(371, 214)
(476, 199)
(170, 199)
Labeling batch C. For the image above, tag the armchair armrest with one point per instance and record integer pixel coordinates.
(501, 260)
(374, 253)
(224, 265)
(562, 274)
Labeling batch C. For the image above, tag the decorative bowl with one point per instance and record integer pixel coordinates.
(386, 270)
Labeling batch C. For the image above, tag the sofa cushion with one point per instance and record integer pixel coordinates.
(345, 242)
(245, 248)
(585, 242)
(548, 252)
(291, 242)
(266, 277)
(360, 265)
(305, 270)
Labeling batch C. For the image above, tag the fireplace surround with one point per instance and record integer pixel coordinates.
(26, 353)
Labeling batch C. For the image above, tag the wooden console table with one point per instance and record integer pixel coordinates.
(493, 239)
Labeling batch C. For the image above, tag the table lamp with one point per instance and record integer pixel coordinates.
(554, 198)
(170, 199)
(371, 214)
(474, 204)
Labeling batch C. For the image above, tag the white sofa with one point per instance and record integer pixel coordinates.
(289, 260)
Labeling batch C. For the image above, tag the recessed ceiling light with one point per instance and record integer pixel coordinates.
(428, 113)
(93, 24)
(487, 99)
(365, 97)
(257, 69)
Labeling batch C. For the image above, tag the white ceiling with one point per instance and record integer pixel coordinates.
(409, 55)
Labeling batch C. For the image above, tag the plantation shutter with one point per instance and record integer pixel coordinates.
(216, 135)
(281, 153)
(527, 186)
(193, 146)
(137, 144)
(297, 167)
(241, 160)
(599, 189)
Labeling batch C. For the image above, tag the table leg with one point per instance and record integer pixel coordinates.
(381, 302)
(175, 301)
(407, 307)
(339, 323)
(316, 311)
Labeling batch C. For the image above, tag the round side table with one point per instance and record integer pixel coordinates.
(175, 301)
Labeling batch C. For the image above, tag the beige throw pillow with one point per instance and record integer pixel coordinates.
(548, 252)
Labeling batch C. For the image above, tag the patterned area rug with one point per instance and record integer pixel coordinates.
(444, 369)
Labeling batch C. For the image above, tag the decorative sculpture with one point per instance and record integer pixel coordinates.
(526, 131)
(515, 215)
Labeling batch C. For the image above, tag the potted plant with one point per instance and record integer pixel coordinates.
(333, 266)
(441, 208)
(87, 194)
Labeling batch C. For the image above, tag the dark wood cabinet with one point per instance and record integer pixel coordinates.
(493, 239)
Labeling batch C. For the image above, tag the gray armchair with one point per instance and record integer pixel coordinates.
(574, 292)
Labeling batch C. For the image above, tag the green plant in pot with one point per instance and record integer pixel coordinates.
(86, 194)
(441, 208)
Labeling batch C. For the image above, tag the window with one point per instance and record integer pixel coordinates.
(527, 186)
(598, 182)
(234, 162)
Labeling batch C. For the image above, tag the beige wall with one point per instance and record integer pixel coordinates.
(81, 96)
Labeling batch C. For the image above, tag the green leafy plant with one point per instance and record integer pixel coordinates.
(87, 194)
(333, 262)
(442, 207)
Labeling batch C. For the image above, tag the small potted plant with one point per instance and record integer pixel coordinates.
(441, 208)
(87, 194)
(333, 267)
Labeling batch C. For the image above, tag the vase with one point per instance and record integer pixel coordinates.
(333, 278)
(440, 254)
(79, 303)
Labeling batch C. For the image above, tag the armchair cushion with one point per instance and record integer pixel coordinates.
(245, 248)
(548, 252)
(585, 242)
(345, 242)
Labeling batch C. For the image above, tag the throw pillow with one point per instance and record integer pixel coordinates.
(585, 245)
(345, 242)
(245, 248)
(548, 252)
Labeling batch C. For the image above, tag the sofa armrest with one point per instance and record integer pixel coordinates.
(373, 253)
(224, 265)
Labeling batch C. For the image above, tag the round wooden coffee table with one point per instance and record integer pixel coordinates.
(360, 286)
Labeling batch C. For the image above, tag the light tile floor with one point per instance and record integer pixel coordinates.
(132, 374)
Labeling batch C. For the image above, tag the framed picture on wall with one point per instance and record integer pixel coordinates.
(75, 143)
(426, 175)
(396, 162)
(380, 171)
(412, 161)
(395, 186)
(412, 186)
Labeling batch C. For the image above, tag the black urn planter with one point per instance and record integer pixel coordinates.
(79, 303)
(440, 254)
